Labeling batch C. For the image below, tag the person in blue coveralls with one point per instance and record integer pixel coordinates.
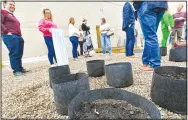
(129, 27)
(149, 15)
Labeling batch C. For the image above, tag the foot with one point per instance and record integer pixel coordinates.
(53, 65)
(149, 69)
(25, 71)
(75, 59)
(133, 56)
(18, 74)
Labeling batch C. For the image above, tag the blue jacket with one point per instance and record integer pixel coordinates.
(151, 5)
(128, 16)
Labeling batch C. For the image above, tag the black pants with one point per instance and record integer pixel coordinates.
(81, 47)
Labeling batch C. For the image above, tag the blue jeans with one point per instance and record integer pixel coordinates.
(105, 40)
(51, 51)
(149, 21)
(74, 41)
(15, 45)
(130, 41)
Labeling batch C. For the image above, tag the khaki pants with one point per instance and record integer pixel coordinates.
(177, 33)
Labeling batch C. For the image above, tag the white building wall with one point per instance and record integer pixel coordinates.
(29, 14)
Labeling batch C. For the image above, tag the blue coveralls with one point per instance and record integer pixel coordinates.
(149, 15)
(128, 27)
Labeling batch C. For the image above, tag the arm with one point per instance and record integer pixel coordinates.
(125, 17)
(3, 28)
(42, 28)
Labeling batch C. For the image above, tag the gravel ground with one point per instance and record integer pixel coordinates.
(30, 96)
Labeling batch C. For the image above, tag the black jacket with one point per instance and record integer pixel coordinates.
(85, 28)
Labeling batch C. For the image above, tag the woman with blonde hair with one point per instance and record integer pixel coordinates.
(45, 26)
(74, 35)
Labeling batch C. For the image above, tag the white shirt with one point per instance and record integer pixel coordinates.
(73, 31)
(105, 26)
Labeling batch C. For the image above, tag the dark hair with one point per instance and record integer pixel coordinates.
(104, 20)
(5, 2)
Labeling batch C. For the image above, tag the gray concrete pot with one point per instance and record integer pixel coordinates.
(95, 68)
(116, 94)
(66, 88)
(163, 51)
(178, 54)
(56, 72)
(119, 74)
(168, 92)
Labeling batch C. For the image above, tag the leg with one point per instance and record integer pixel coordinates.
(76, 46)
(132, 41)
(54, 55)
(179, 34)
(13, 47)
(81, 47)
(127, 44)
(151, 53)
(165, 37)
(108, 43)
(20, 41)
(48, 41)
(73, 45)
(173, 36)
(103, 43)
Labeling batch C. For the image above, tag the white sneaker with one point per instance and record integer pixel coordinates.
(75, 59)
(53, 65)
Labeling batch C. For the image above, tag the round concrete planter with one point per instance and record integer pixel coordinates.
(116, 94)
(66, 88)
(119, 74)
(56, 72)
(168, 92)
(95, 68)
(178, 54)
(163, 51)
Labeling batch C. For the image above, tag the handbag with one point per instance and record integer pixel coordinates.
(110, 32)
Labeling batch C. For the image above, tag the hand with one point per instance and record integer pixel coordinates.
(181, 18)
(169, 28)
(50, 30)
(9, 33)
(129, 25)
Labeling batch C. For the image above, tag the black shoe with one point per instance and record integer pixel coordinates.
(18, 74)
(25, 71)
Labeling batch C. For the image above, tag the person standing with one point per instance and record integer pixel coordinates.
(105, 40)
(12, 37)
(129, 27)
(45, 26)
(179, 19)
(167, 23)
(81, 40)
(74, 35)
(149, 15)
(87, 45)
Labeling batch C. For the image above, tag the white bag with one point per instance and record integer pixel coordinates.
(110, 32)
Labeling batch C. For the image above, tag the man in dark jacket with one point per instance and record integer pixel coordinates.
(149, 15)
(129, 26)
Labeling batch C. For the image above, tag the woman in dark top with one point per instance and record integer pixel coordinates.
(87, 45)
